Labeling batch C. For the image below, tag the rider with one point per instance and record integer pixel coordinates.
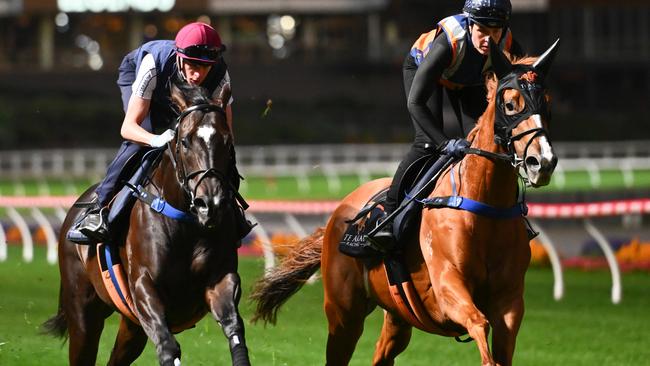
(451, 60)
(144, 80)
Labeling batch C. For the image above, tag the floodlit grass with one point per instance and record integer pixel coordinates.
(606, 179)
(583, 329)
(32, 187)
(317, 187)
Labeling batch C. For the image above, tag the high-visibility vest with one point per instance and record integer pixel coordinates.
(455, 28)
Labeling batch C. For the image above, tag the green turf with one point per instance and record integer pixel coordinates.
(318, 187)
(583, 329)
(606, 179)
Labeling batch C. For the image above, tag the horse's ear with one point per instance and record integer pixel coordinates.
(500, 63)
(224, 96)
(177, 97)
(543, 63)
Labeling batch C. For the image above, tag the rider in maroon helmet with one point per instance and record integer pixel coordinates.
(195, 56)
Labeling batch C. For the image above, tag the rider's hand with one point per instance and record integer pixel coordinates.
(455, 147)
(162, 139)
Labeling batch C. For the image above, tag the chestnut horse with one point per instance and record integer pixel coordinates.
(467, 269)
(177, 270)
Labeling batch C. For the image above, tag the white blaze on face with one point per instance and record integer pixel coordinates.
(545, 147)
(206, 132)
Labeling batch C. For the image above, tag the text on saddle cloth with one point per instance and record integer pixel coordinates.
(353, 242)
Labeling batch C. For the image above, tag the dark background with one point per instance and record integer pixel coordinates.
(330, 91)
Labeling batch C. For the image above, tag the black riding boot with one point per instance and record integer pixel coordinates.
(384, 240)
(242, 225)
(92, 226)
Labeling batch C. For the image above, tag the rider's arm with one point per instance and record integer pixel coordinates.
(136, 112)
(139, 103)
(424, 82)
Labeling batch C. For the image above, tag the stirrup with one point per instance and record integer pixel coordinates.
(94, 225)
(75, 234)
(383, 241)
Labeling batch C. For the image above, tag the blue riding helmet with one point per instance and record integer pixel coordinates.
(489, 13)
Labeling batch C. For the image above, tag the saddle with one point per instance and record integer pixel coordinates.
(372, 215)
(354, 241)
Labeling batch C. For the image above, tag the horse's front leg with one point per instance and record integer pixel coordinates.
(505, 318)
(506, 327)
(151, 313)
(223, 298)
(456, 302)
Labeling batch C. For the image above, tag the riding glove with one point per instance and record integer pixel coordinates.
(162, 139)
(455, 147)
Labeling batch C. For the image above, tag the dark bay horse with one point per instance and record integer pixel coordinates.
(467, 269)
(177, 270)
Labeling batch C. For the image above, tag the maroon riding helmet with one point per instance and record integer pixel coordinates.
(199, 42)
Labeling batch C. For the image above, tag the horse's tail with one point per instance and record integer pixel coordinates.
(287, 278)
(57, 325)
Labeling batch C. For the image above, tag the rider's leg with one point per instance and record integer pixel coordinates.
(243, 225)
(93, 224)
(385, 239)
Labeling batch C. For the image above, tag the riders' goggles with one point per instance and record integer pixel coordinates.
(202, 52)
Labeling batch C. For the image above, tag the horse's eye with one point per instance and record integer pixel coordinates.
(185, 142)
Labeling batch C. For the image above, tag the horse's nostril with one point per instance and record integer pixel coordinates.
(532, 163)
(200, 204)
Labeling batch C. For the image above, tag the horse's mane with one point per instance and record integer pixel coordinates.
(193, 94)
(491, 79)
(491, 83)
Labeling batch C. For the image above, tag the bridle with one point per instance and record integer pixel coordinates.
(534, 96)
(178, 161)
(524, 79)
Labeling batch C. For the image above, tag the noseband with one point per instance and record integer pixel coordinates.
(528, 82)
(182, 176)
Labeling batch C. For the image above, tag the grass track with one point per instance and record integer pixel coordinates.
(583, 329)
(288, 187)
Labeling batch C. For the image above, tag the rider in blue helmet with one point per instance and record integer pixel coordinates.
(489, 13)
(449, 60)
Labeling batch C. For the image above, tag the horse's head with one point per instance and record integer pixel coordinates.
(523, 114)
(202, 152)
